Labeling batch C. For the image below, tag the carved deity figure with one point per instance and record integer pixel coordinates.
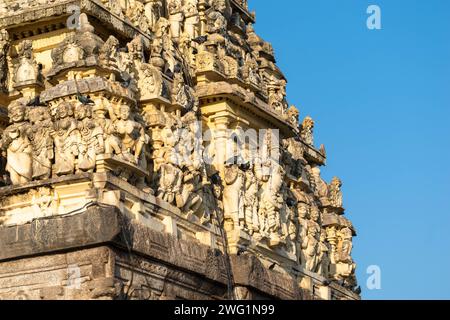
(108, 53)
(303, 212)
(251, 200)
(166, 166)
(111, 141)
(66, 138)
(192, 18)
(92, 139)
(135, 11)
(176, 17)
(216, 18)
(310, 246)
(320, 184)
(292, 116)
(277, 95)
(4, 48)
(345, 245)
(130, 133)
(190, 150)
(272, 201)
(233, 194)
(16, 142)
(307, 133)
(335, 193)
(42, 141)
(324, 261)
(251, 70)
(153, 11)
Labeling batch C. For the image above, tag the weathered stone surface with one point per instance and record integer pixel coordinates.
(159, 133)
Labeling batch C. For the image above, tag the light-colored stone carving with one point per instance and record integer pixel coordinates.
(135, 11)
(66, 137)
(27, 70)
(233, 194)
(271, 202)
(153, 11)
(111, 142)
(310, 247)
(136, 103)
(324, 256)
(130, 133)
(307, 133)
(176, 17)
(42, 142)
(192, 19)
(15, 140)
(91, 140)
(335, 192)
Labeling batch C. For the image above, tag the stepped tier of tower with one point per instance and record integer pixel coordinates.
(148, 151)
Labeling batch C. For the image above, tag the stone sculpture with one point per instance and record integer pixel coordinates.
(145, 114)
(16, 142)
(42, 142)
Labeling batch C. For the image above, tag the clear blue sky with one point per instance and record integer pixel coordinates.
(381, 101)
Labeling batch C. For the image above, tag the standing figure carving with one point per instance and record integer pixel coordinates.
(166, 165)
(272, 201)
(176, 17)
(233, 194)
(15, 141)
(91, 142)
(111, 142)
(192, 18)
(324, 261)
(66, 137)
(216, 19)
(42, 141)
(130, 133)
(310, 246)
(307, 132)
(153, 11)
(335, 193)
(251, 201)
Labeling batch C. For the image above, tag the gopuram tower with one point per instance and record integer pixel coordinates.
(148, 151)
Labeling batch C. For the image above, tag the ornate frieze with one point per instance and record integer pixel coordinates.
(154, 108)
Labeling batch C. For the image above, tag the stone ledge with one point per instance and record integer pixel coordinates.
(99, 226)
(45, 235)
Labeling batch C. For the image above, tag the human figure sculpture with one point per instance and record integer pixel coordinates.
(153, 10)
(335, 193)
(112, 144)
(42, 142)
(216, 21)
(323, 267)
(320, 185)
(66, 138)
(233, 193)
(92, 139)
(176, 17)
(251, 202)
(345, 245)
(15, 141)
(310, 245)
(272, 201)
(130, 133)
(192, 18)
(167, 166)
(307, 133)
